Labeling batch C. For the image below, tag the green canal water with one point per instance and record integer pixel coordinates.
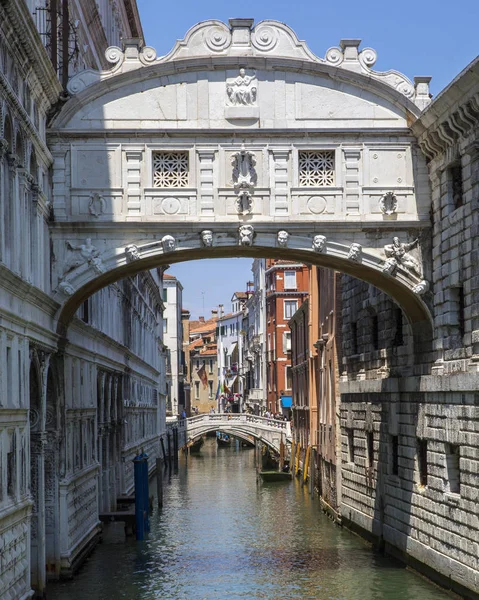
(221, 535)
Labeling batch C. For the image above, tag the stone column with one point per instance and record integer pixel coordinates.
(38, 455)
(206, 194)
(3, 154)
(12, 221)
(351, 181)
(132, 183)
(279, 182)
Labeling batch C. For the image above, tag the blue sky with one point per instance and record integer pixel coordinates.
(421, 37)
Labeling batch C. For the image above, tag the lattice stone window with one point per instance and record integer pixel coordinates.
(170, 169)
(316, 168)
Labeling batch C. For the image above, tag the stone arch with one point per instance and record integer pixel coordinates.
(8, 131)
(33, 165)
(20, 150)
(83, 281)
(237, 432)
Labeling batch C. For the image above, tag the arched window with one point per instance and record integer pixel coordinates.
(6, 195)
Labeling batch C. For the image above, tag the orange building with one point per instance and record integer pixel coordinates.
(286, 289)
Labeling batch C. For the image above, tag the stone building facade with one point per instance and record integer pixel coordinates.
(173, 340)
(255, 351)
(202, 353)
(409, 440)
(73, 413)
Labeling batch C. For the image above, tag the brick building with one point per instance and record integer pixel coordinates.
(286, 289)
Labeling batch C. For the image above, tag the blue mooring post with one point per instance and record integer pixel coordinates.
(146, 492)
(138, 463)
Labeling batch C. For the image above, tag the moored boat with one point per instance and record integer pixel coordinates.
(194, 446)
(275, 475)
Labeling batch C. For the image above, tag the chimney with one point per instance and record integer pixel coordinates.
(214, 312)
(201, 319)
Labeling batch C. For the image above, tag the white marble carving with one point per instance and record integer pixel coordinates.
(390, 266)
(319, 243)
(388, 203)
(132, 253)
(66, 288)
(355, 252)
(282, 239)
(421, 288)
(87, 253)
(242, 91)
(96, 204)
(244, 179)
(400, 252)
(246, 233)
(169, 243)
(207, 238)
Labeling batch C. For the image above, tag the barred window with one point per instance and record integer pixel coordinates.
(170, 169)
(316, 168)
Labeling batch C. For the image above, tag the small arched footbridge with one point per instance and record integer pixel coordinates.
(269, 431)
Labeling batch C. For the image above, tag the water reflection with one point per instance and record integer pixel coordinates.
(221, 535)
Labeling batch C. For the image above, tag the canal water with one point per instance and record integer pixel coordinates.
(222, 535)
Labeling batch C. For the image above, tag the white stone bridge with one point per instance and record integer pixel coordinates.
(244, 426)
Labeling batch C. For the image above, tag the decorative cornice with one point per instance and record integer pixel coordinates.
(240, 43)
(29, 38)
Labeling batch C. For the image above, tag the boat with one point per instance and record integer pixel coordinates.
(223, 439)
(194, 446)
(276, 475)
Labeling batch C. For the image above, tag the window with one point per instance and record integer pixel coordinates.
(350, 433)
(85, 312)
(289, 377)
(170, 169)
(287, 342)
(316, 168)
(165, 325)
(290, 280)
(454, 174)
(211, 365)
(290, 307)
(452, 469)
(394, 455)
(422, 461)
(197, 390)
(210, 389)
(165, 294)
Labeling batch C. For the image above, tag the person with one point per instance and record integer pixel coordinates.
(183, 414)
(267, 414)
(196, 410)
(212, 411)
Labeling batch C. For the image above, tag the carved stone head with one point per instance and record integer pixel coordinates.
(283, 237)
(355, 251)
(132, 253)
(319, 243)
(246, 233)
(207, 237)
(421, 288)
(169, 243)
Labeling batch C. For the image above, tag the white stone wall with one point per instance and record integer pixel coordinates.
(173, 340)
(63, 438)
